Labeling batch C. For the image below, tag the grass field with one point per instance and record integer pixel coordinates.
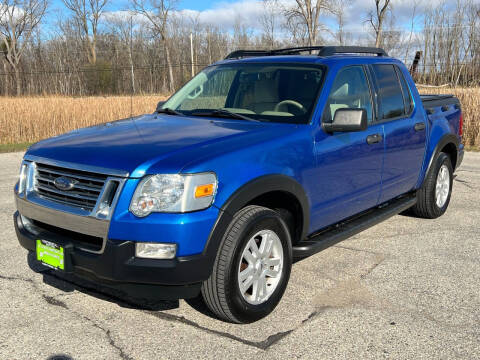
(26, 120)
(470, 102)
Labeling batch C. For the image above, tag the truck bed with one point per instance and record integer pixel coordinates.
(432, 101)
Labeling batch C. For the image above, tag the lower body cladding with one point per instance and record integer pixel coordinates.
(113, 263)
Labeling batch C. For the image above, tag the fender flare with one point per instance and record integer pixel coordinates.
(247, 193)
(445, 140)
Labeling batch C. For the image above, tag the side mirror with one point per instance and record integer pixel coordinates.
(159, 105)
(346, 120)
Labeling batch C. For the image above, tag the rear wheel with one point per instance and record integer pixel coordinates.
(434, 196)
(252, 267)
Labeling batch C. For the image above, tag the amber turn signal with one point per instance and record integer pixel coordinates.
(204, 190)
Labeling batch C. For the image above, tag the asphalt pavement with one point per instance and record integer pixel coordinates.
(405, 289)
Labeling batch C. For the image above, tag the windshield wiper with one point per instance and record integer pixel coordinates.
(224, 114)
(169, 111)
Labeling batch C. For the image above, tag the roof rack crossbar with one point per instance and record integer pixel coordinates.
(245, 53)
(322, 51)
(285, 51)
(297, 50)
(332, 50)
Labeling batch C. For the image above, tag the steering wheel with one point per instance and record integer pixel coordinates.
(290, 102)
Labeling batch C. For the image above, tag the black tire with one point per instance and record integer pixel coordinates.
(289, 220)
(426, 206)
(221, 291)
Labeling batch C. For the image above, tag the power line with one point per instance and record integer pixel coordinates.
(187, 65)
(112, 69)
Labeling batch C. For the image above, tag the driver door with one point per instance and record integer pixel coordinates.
(349, 164)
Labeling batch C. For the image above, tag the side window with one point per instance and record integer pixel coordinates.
(407, 96)
(390, 93)
(349, 90)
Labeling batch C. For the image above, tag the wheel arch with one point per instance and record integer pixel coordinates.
(448, 144)
(250, 193)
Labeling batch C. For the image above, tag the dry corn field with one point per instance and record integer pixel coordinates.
(470, 101)
(29, 119)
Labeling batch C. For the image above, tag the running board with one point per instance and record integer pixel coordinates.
(347, 228)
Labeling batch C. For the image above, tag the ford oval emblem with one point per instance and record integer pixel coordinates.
(64, 183)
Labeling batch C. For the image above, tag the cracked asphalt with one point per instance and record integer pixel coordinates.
(407, 288)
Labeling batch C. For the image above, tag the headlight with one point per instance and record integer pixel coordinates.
(173, 193)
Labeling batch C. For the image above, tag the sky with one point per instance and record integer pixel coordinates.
(225, 12)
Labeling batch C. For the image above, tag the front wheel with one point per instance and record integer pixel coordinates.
(252, 267)
(434, 196)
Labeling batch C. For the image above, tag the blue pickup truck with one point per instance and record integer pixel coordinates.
(263, 158)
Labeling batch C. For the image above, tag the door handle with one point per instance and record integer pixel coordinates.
(419, 126)
(373, 139)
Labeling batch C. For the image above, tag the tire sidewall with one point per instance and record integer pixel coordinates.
(241, 309)
(441, 160)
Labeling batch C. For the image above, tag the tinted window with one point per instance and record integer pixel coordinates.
(406, 93)
(350, 90)
(390, 92)
(264, 91)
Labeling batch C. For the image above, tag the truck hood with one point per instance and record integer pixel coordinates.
(133, 145)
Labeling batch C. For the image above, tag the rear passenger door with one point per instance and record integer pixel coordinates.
(404, 130)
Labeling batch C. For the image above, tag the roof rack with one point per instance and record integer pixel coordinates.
(322, 51)
(332, 50)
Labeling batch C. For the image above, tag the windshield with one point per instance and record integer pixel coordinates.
(264, 92)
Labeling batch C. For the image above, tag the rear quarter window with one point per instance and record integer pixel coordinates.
(391, 102)
(407, 96)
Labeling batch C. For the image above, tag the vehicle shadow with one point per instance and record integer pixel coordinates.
(59, 357)
(69, 283)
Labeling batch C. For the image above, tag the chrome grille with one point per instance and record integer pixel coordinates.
(85, 193)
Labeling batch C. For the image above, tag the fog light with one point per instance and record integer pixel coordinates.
(28, 225)
(155, 250)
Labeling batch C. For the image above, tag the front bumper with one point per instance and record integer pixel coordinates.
(117, 266)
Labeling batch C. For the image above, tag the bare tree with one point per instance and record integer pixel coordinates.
(451, 51)
(269, 20)
(122, 27)
(338, 12)
(377, 19)
(241, 34)
(56, 64)
(412, 27)
(86, 15)
(18, 20)
(307, 13)
(297, 30)
(158, 14)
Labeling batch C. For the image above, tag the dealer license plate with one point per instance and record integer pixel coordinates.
(50, 254)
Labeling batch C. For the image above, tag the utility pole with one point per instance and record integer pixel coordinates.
(131, 55)
(191, 54)
(131, 66)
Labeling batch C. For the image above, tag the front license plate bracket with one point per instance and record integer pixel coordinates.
(50, 254)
